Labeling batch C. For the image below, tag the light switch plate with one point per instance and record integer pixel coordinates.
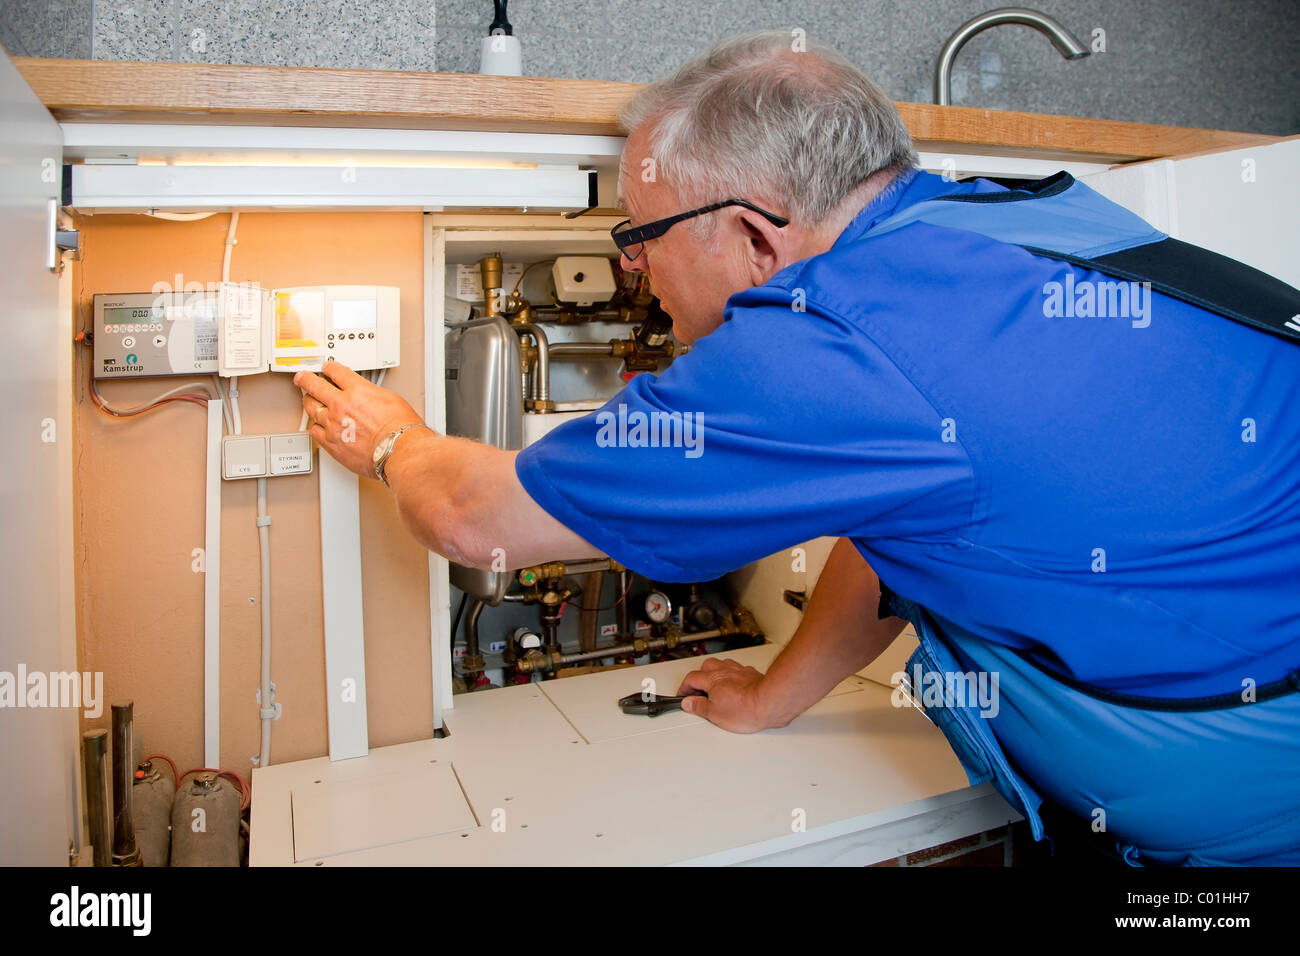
(262, 456)
(290, 454)
(243, 457)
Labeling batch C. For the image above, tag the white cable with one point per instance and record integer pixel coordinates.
(225, 404)
(151, 403)
(379, 377)
(179, 216)
(234, 405)
(266, 708)
(306, 420)
(230, 246)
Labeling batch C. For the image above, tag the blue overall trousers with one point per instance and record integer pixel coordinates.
(1183, 782)
(1215, 785)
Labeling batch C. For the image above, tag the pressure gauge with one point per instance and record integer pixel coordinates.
(657, 607)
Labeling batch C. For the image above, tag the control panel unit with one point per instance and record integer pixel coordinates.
(243, 329)
(140, 334)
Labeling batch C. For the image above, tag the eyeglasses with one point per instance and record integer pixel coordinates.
(632, 239)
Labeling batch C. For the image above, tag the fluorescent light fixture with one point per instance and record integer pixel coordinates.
(337, 162)
(136, 188)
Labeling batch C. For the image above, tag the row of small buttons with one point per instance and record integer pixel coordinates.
(353, 335)
(112, 329)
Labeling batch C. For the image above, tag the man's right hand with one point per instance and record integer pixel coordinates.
(734, 701)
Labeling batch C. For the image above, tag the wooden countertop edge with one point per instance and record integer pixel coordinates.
(131, 91)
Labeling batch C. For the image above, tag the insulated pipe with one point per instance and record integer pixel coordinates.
(98, 804)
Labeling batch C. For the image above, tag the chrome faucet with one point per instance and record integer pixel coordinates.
(1064, 41)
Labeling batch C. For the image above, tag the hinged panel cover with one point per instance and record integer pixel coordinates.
(341, 816)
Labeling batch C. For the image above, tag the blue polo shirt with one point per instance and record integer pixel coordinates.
(1120, 500)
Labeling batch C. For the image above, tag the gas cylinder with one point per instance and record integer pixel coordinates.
(205, 822)
(151, 798)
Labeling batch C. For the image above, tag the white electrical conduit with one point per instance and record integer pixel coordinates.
(225, 404)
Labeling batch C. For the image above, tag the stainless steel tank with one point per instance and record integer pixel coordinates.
(485, 402)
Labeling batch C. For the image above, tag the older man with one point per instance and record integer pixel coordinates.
(1066, 502)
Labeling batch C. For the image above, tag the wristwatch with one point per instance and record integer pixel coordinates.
(385, 448)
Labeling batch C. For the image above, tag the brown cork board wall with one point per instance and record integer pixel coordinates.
(139, 505)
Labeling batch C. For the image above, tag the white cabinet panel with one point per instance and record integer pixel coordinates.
(38, 749)
(1243, 203)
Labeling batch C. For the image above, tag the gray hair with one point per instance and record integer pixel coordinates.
(753, 118)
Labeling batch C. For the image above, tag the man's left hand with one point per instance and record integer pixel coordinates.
(350, 414)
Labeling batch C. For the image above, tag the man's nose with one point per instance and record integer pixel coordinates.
(634, 265)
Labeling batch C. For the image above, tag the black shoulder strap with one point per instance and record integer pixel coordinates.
(1179, 269)
(1206, 279)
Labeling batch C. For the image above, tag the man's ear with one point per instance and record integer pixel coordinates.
(764, 245)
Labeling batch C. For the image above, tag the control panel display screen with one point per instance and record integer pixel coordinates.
(356, 313)
(126, 315)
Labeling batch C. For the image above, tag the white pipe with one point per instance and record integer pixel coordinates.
(267, 711)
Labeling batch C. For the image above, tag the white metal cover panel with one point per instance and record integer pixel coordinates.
(332, 817)
(853, 763)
